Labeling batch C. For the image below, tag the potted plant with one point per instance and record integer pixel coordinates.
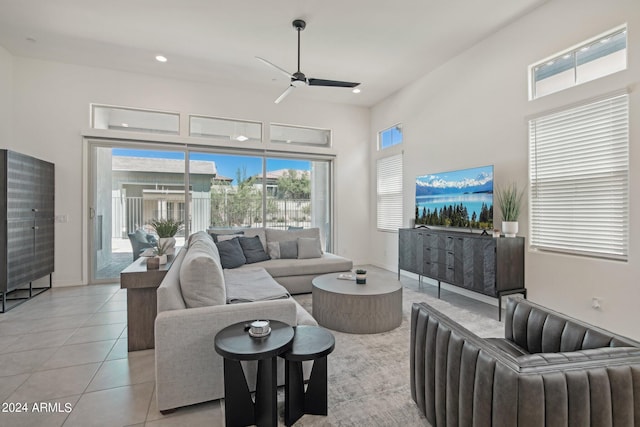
(510, 202)
(361, 276)
(166, 229)
(160, 254)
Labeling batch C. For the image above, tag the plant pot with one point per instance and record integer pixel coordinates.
(169, 245)
(361, 279)
(162, 259)
(510, 228)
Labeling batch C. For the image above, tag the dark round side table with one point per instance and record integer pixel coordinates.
(234, 344)
(309, 343)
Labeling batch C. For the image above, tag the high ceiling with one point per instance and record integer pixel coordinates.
(383, 44)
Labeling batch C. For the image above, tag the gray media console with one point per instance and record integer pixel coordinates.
(484, 264)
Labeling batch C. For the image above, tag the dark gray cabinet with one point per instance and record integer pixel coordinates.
(27, 207)
(490, 266)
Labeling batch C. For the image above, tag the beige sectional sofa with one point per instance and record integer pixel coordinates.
(294, 274)
(193, 307)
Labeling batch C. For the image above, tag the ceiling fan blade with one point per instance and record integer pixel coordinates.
(284, 94)
(334, 83)
(272, 65)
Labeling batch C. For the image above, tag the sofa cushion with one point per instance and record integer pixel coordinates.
(201, 277)
(275, 235)
(309, 247)
(231, 255)
(288, 250)
(252, 249)
(201, 236)
(252, 284)
(327, 263)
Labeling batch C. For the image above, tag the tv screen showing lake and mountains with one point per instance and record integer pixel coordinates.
(462, 198)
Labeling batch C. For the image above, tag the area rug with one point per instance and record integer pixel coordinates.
(368, 375)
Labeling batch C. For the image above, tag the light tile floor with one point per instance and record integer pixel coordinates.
(67, 348)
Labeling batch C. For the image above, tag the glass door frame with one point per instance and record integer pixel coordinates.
(91, 145)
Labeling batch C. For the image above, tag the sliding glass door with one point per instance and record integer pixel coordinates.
(298, 195)
(130, 186)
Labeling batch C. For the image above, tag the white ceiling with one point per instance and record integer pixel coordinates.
(383, 44)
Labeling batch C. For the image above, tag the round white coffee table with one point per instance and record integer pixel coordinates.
(343, 305)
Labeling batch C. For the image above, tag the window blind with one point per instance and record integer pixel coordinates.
(579, 167)
(389, 192)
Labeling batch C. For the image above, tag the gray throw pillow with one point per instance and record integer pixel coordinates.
(289, 250)
(274, 250)
(231, 255)
(140, 236)
(252, 249)
(309, 248)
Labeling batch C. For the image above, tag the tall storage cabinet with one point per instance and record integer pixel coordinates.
(490, 266)
(27, 207)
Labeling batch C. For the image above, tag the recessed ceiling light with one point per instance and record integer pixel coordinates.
(356, 90)
(241, 138)
(125, 125)
(161, 58)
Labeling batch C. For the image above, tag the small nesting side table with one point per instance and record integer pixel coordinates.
(309, 343)
(234, 344)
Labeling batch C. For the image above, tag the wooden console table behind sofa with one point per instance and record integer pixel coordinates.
(141, 285)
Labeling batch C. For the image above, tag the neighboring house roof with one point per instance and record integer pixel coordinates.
(145, 164)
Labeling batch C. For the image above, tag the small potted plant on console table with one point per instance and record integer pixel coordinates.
(510, 202)
(361, 276)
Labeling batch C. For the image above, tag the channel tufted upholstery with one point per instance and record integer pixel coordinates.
(549, 370)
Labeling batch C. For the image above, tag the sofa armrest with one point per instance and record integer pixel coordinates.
(188, 369)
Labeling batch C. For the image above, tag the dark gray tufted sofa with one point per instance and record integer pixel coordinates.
(549, 370)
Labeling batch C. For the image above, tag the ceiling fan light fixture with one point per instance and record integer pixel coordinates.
(298, 78)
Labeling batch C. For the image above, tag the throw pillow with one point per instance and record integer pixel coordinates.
(216, 236)
(274, 250)
(231, 255)
(201, 277)
(309, 248)
(289, 250)
(141, 236)
(252, 249)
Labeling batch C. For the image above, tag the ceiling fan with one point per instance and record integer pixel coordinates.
(298, 78)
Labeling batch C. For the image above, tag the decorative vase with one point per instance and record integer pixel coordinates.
(510, 228)
(169, 245)
(361, 278)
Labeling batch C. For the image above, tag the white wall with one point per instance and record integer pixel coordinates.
(473, 111)
(6, 97)
(51, 102)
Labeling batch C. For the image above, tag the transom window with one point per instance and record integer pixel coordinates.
(590, 60)
(390, 137)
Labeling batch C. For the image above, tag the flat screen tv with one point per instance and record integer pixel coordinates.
(462, 198)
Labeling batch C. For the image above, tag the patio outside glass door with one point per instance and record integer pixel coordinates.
(130, 187)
